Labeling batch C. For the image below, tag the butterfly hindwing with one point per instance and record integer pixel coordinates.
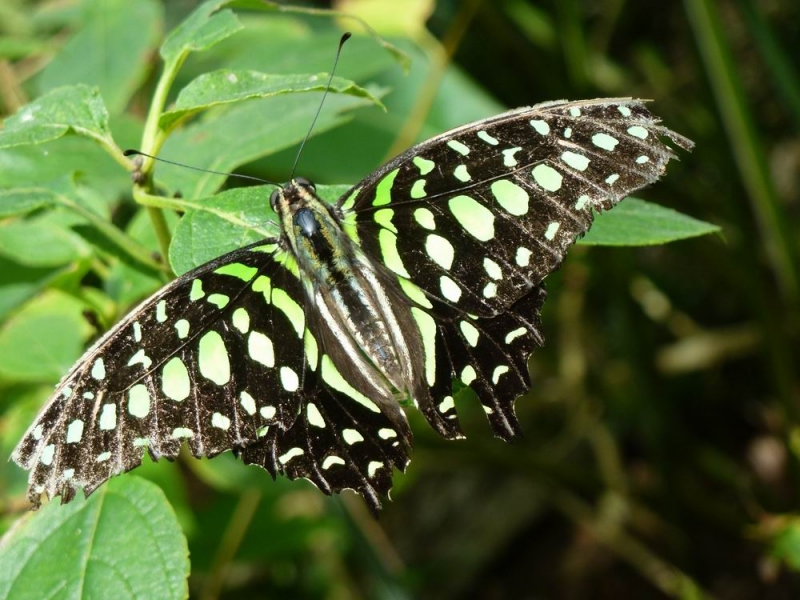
(478, 216)
(336, 444)
(487, 354)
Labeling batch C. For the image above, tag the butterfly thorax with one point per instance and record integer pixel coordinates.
(367, 333)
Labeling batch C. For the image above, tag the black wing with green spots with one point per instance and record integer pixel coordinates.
(478, 216)
(297, 352)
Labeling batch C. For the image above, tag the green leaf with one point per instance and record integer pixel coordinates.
(400, 56)
(125, 283)
(59, 164)
(123, 542)
(15, 48)
(111, 50)
(100, 231)
(21, 283)
(43, 340)
(275, 43)
(200, 31)
(785, 544)
(245, 133)
(39, 244)
(171, 478)
(83, 205)
(77, 108)
(226, 86)
(368, 138)
(220, 224)
(635, 222)
(22, 201)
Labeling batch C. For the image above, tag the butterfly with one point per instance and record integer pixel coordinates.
(297, 352)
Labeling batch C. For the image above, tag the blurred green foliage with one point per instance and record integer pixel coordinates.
(662, 434)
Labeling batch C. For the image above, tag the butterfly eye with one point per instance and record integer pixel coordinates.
(273, 199)
(306, 183)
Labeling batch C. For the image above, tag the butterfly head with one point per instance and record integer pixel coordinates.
(293, 195)
(308, 224)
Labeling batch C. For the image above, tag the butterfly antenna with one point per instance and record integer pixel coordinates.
(345, 37)
(177, 164)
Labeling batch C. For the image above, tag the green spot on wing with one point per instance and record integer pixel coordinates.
(547, 177)
(476, 219)
(513, 198)
(440, 250)
(470, 333)
(458, 147)
(286, 304)
(182, 432)
(263, 284)
(383, 191)
(108, 417)
(139, 401)
(175, 381)
(541, 127)
(311, 349)
(241, 320)
(638, 131)
(425, 218)
(237, 270)
(424, 165)
(414, 292)
(266, 248)
(182, 328)
(427, 328)
(161, 311)
(462, 174)
(604, 141)
(219, 300)
(351, 200)
(260, 348)
(383, 217)
(332, 376)
(197, 290)
(213, 360)
(75, 431)
(508, 156)
(575, 160)
(391, 257)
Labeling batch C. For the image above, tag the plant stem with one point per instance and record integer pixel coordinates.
(440, 55)
(153, 138)
(745, 145)
(231, 540)
(666, 577)
(138, 253)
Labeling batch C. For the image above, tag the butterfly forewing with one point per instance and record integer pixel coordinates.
(480, 215)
